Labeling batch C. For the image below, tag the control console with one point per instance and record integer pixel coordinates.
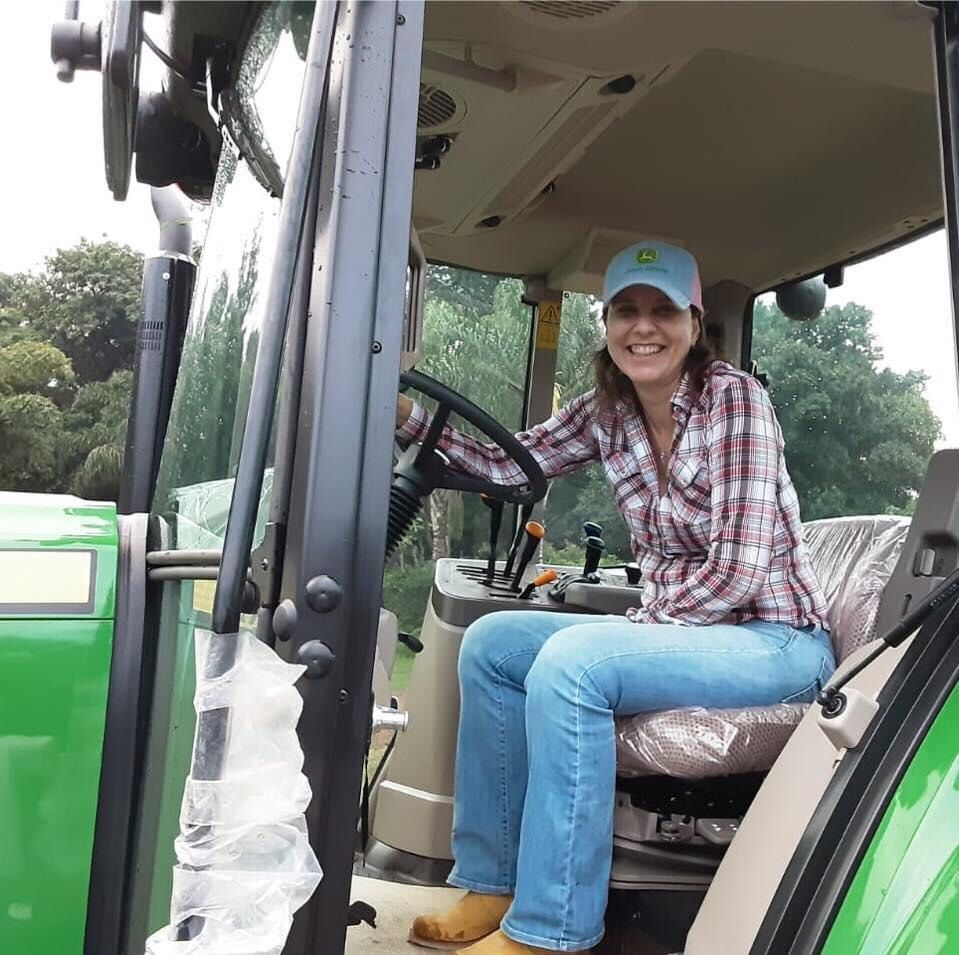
(462, 591)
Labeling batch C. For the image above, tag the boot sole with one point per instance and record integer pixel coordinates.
(439, 946)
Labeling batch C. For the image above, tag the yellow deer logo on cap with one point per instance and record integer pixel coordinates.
(645, 256)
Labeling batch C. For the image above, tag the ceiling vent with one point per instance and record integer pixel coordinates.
(437, 108)
(569, 10)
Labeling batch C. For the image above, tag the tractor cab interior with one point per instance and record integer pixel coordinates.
(549, 137)
(779, 143)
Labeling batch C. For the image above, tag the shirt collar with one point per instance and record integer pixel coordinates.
(683, 396)
(682, 401)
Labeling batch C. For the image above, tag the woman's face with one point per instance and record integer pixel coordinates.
(649, 337)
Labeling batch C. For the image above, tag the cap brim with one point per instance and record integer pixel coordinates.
(667, 288)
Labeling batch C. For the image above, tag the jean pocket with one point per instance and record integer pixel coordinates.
(808, 694)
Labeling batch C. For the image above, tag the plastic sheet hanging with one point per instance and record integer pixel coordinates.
(244, 862)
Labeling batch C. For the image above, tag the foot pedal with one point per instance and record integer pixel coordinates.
(361, 912)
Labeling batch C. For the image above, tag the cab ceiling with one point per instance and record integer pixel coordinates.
(771, 139)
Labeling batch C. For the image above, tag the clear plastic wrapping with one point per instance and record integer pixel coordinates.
(854, 557)
(696, 743)
(244, 862)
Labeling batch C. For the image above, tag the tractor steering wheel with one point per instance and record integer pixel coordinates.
(423, 468)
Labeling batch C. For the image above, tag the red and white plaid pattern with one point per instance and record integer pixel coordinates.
(724, 543)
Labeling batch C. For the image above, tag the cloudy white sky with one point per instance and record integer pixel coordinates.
(51, 163)
(52, 169)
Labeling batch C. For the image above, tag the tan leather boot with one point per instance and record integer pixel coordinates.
(500, 944)
(472, 918)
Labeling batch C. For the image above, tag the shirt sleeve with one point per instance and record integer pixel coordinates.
(744, 447)
(561, 444)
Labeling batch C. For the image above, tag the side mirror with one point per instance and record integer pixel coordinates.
(802, 301)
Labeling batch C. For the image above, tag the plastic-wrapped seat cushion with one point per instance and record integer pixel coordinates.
(696, 743)
(853, 557)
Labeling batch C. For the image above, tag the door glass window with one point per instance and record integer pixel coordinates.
(200, 454)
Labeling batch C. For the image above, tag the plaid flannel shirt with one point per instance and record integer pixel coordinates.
(724, 543)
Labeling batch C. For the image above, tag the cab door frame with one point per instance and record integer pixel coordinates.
(335, 542)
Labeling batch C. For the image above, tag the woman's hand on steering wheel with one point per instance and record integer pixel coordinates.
(404, 408)
(427, 468)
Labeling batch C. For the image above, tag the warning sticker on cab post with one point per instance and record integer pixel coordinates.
(547, 325)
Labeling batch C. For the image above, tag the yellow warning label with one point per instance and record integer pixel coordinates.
(203, 593)
(547, 325)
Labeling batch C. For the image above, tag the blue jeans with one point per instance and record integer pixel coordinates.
(536, 759)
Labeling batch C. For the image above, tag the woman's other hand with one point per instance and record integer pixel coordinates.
(404, 408)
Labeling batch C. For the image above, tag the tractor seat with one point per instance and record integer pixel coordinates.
(853, 558)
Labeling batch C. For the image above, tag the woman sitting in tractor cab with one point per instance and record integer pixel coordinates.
(732, 614)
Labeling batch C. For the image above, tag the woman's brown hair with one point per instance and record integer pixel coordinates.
(614, 388)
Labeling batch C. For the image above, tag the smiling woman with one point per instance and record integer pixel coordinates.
(693, 452)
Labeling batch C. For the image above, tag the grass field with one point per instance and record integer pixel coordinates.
(402, 667)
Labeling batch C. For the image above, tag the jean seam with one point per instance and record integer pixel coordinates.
(511, 656)
(505, 853)
(573, 805)
(503, 866)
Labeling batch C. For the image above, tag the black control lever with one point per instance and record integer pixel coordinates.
(592, 529)
(595, 548)
(495, 520)
(534, 532)
(525, 512)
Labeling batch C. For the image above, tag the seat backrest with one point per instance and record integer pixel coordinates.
(854, 559)
(874, 569)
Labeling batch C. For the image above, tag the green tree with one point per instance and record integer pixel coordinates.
(483, 355)
(858, 436)
(86, 301)
(218, 361)
(33, 379)
(67, 343)
(96, 425)
(13, 324)
(30, 366)
(471, 294)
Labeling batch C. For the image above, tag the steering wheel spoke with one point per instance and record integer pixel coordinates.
(509, 494)
(435, 432)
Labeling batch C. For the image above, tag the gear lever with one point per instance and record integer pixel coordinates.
(592, 529)
(495, 519)
(535, 532)
(595, 548)
(524, 515)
